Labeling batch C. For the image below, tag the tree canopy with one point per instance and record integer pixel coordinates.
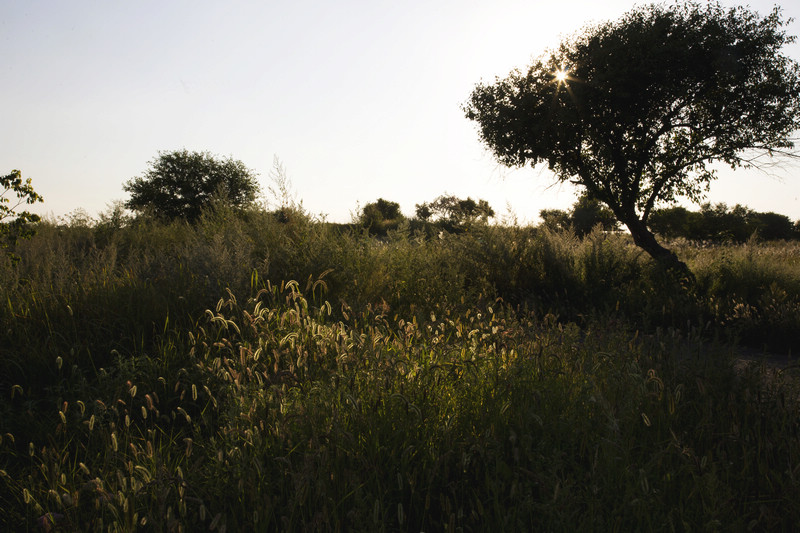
(455, 212)
(381, 216)
(180, 184)
(586, 213)
(636, 110)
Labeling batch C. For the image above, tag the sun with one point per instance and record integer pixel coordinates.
(561, 75)
(561, 79)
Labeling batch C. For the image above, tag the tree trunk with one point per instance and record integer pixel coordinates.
(645, 240)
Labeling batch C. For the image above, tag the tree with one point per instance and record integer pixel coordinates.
(13, 224)
(588, 213)
(670, 222)
(555, 219)
(718, 223)
(454, 212)
(181, 184)
(772, 226)
(381, 216)
(721, 224)
(637, 110)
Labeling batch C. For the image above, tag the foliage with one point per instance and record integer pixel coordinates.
(243, 373)
(16, 224)
(772, 226)
(381, 216)
(455, 213)
(555, 219)
(672, 222)
(586, 213)
(180, 184)
(718, 223)
(635, 110)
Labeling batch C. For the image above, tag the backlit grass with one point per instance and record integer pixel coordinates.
(506, 379)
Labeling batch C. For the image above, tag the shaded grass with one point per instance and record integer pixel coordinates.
(283, 419)
(505, 378)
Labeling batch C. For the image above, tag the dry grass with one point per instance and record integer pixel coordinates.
(501, 379)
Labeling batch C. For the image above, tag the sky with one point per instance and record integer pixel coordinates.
(358, 99)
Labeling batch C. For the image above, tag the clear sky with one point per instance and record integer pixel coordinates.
(359, 99)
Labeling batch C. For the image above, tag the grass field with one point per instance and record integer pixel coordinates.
(251, 374)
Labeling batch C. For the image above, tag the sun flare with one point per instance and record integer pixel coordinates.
(561, 75)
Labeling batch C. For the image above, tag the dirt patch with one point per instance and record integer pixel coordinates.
(772, 360)
(778, 369)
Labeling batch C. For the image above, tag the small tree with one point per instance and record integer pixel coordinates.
(455, 213)
(555, 219)
(181, 184)
(13, 224)
(381, 216)
(636, 110)
(587, 213)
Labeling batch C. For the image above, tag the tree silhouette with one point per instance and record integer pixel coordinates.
(587, 213)
(637, 110)
(181, 184)
(455, 213)
(381, 216)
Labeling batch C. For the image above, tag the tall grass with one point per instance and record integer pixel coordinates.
(255, 373)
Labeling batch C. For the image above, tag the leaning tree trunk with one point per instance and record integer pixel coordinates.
(645, 240)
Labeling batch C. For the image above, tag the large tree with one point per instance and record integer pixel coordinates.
(636, 110)
(181, 184)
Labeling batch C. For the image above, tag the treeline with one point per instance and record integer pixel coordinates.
(182, 185)
(446, 213)
(718, 223)
(712, 223)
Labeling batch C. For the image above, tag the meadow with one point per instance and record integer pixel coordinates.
(254, 372)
